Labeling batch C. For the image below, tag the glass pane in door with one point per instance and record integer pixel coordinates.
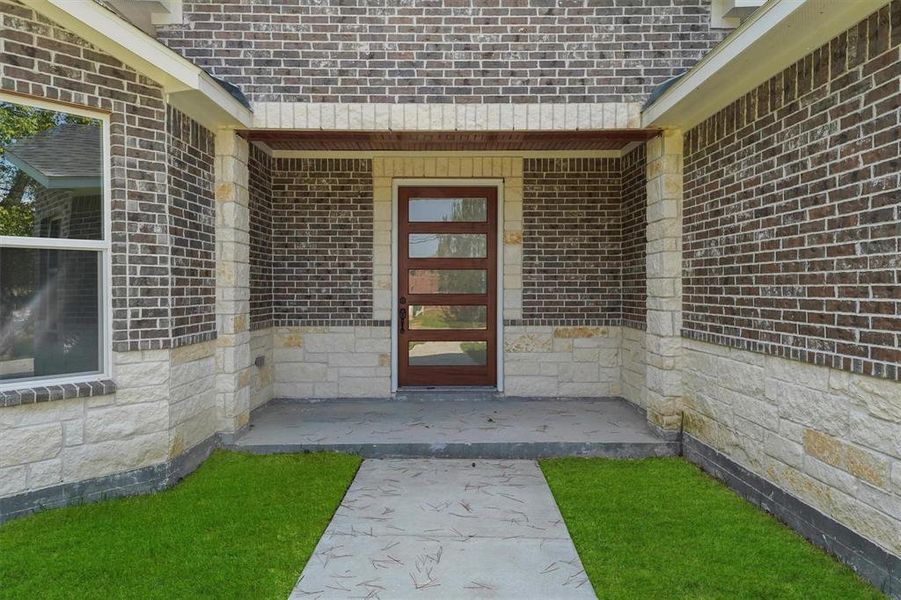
(448, 245)
(448, 210)
(448, 354)
(447, 281)
(448, 317)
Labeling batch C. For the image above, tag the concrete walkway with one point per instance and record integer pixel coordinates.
(450, 529)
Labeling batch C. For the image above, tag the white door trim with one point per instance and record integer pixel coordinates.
(425, 181)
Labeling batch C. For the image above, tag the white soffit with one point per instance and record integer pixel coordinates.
(146, 14)
(774, 37)
(188, 87)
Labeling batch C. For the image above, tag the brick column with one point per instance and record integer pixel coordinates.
(233, 367)
(663, 342)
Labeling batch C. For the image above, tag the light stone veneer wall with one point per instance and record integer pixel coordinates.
(663, 345)
(331, 362)
(234, 367)
(355, 362)
(262, 386)
(165, 404)
(633, 374)
(831, 438)
(562, 361)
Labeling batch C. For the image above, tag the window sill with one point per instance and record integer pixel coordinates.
(53, 392)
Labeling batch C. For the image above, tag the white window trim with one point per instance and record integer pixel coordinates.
(102, 247)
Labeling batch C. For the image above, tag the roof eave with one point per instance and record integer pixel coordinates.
(188, 88)
(777, 35)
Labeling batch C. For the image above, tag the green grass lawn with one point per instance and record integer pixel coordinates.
(241, 526)
(660, 528)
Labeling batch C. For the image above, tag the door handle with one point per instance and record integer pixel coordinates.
(402, 314)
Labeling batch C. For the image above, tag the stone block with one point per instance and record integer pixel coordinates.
(851, 459)
(30, 444)
(531, 386)
(142, 374)
(122, 422)
(578, 372)
(363, 387)
(580, 332)
(835, 478)
(874, 433)
(784, 450)
(817, 410)
(294, 389)
(45, 474)
(330, 342)
(42, 413)
(301, 373)
(353, 359)
(117, 456)
(528, 343)
(13, 480)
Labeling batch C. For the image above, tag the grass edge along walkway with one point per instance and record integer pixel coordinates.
(241, 526)
(662, 528)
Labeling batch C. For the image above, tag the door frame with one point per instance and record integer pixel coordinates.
(448, 182)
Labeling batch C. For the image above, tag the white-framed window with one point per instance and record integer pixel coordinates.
(55, 300)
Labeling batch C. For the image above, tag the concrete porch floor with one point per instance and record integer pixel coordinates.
(455, 425)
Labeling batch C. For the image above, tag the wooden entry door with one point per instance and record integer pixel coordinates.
(447, 286)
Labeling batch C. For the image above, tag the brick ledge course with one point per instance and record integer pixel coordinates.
(62, 391)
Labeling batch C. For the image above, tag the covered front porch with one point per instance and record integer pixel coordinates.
(383, 262)
(456, 424)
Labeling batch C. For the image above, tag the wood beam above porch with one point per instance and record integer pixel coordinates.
(431, 141)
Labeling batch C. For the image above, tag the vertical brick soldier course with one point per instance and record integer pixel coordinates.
(792, 205)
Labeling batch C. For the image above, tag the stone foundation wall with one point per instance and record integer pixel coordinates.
(331, 362)
(262, 377)
(634, 370)
(193, 413)
(562, 361)
(829, 437)
(163, 407)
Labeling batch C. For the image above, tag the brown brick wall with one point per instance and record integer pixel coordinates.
(572, 241)
(192, 229)
(40, 59)
(322, 214)
(259, 168)
(634, 238)
(442, 51)
(792, 209)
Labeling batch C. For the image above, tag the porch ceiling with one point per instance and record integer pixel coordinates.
(418, 141)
